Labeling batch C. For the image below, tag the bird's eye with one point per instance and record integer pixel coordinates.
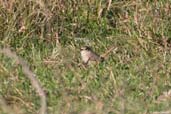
(87, 48)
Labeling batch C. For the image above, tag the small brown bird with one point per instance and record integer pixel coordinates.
(87, 54)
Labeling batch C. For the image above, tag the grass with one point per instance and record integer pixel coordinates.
(132, 80)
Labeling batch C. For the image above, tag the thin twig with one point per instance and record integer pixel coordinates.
(109, 4)
(30, 75)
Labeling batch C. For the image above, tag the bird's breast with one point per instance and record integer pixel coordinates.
(85, 55)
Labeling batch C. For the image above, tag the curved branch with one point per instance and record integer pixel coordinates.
(30, 75)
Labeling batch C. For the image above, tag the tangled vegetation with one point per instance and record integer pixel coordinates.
(48, 34)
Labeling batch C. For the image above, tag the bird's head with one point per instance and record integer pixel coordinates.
(85, 48)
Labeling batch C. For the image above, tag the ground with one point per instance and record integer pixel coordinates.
(133, 79)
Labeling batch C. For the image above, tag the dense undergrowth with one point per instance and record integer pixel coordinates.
(48, 34)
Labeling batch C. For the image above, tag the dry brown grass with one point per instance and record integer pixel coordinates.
(48, 34)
